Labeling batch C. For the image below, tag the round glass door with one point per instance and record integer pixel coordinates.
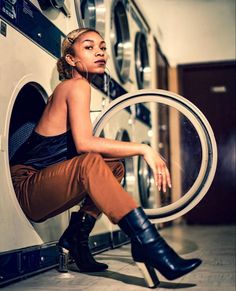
(192, 147)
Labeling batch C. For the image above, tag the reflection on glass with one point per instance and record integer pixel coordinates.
(191, 153)
(174, 137)
(144, 183)
(118, 129)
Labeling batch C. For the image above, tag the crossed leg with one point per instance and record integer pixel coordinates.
(57, 188)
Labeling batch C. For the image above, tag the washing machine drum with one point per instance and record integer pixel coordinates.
(26, 112)
(191, 146)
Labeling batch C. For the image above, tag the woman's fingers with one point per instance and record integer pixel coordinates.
(168, 178)
(159, 178)
(163, 178)
(160, 171)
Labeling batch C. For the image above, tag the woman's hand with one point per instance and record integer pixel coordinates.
(159, 168)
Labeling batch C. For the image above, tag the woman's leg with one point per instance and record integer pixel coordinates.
(61, 186)
(150, 250)
(76, 236)
(118, 170)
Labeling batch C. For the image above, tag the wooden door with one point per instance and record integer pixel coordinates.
(212, 88)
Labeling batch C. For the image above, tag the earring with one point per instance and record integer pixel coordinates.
(106, 81)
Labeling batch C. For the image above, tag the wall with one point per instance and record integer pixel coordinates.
(192, 31)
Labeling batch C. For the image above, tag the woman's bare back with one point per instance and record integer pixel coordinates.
(54, 119)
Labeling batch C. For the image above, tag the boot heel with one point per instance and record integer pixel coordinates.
(63, 260)
(149, 274)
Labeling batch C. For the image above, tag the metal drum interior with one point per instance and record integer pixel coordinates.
(27, 110)
(192, 146)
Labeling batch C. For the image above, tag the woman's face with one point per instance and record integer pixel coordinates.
(90, 53)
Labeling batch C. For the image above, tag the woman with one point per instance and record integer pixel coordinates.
(62, 164)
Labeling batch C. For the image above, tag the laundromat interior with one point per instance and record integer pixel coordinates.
(170, 82)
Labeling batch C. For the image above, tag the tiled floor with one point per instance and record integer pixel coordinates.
(215, 245)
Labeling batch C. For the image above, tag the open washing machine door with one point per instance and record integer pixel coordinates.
(193, 152)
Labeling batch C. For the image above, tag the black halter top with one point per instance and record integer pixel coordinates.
(42, 151)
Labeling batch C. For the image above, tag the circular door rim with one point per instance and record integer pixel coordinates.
(206, 135)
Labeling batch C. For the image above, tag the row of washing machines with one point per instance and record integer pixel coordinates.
(31, 33)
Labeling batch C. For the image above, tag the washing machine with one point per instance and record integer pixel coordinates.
(85, 13)
(143, 133)
(29, 77)
(119, 45)
(110, 18)
(140, 73)
(141, 69)
(119, 41)
(120, 128)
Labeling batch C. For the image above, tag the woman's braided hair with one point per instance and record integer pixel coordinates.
(63, 68)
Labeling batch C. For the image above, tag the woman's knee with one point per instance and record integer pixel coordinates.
(93, 157)
(92, 160)
(119, 170)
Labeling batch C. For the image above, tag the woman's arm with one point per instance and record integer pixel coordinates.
(78, 103)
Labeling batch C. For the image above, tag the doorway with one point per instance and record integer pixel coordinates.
(212, 88)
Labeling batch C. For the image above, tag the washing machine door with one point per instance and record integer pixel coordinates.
(91, 13)
(120, 40)
(192, 147)
(142, 67)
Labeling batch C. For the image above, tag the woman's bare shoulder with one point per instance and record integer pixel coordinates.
(71, 86)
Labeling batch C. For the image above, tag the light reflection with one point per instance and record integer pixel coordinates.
(66, 276)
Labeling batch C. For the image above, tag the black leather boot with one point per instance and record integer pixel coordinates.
(75, 240)
(149, 249)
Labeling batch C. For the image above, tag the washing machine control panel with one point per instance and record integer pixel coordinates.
(9, 8)
(29, 20)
